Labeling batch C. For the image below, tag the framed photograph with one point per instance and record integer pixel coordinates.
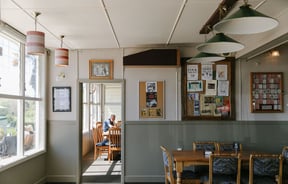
(61, 99)
(100, 69)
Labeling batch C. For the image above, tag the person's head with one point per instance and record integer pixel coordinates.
(112, 117)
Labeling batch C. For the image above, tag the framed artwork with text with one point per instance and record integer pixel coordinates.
(266, 92)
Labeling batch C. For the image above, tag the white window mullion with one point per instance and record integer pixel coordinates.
(20, 128)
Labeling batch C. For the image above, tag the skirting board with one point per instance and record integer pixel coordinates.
(145, 179)
(61, 178)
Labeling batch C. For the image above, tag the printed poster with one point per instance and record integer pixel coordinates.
(207, 72)
(223, 88)
(211, 87)
(221, 72)
(192, 72)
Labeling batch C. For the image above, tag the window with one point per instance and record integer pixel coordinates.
(22, 111)
(100, 100)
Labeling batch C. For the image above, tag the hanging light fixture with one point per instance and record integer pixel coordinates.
(61, 55)
(35, 40)
(246, 21)
(205, 58)
(275, 53)
(219, 44)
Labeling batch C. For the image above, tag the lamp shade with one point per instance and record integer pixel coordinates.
(246, 21)
(61, 57)
(205, 58)
(35, 42)
(219, 44)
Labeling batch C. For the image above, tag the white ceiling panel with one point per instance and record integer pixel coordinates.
(90, 24)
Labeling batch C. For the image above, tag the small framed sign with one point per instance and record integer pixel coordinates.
(100, 69)
(61, 99)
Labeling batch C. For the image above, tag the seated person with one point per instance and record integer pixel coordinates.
(108, 124)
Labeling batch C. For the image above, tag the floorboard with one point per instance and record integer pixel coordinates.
(100, 170)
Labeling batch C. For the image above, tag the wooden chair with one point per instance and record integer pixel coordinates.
(114, 137)
(99, 148)
(170, 174)
(285, 165)
(265, 168)
(224, 168)
(227, 147)
(203, 146)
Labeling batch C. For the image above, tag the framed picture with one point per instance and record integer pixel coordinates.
(266, 93)
(100, 69)
(61, 99)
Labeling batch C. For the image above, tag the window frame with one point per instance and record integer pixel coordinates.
(40, 105)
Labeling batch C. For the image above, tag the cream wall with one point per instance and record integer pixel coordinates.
(263, 63)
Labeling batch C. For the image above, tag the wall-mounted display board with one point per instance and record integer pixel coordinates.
(151, 99)
(208, 90)
(266, 92)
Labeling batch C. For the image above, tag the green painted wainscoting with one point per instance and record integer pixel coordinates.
(143, 158)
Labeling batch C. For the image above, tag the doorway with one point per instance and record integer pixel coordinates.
(98, 100)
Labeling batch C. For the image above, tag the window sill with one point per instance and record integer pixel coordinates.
(14, 161)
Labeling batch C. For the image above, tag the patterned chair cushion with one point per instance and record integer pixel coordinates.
(266, 166)
(205, 147)
(227, 166)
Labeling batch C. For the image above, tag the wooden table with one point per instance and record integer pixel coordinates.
(190, 157)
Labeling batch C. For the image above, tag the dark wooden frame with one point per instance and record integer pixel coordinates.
(61, 99)
(230, 61)
(264, 87)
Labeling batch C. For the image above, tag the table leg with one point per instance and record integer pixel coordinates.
(179, 178)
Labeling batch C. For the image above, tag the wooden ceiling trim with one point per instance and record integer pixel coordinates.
(222, 10)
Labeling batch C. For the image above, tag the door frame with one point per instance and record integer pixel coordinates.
(79, 124)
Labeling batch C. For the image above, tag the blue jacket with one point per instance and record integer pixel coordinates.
(107, 124)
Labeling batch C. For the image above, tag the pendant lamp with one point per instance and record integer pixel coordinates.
(35, 40)
(61, 55)
(205, 58)
(219, 44)
(246, 21)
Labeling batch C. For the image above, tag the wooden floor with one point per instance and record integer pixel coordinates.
(100, 170)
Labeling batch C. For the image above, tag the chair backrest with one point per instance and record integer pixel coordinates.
(285, 163)
(285, 153)
(168, 165)
(97, 133)
(115, 138)
(118, 124)
(269, 165)
(204, 146)
(227, 166)
(222, 147)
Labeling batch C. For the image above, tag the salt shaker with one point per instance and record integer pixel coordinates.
(236, 147)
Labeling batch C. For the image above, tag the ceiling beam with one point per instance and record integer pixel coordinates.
(222, 10)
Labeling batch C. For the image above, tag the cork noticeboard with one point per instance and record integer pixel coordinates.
(208, 90)
(151, 99)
